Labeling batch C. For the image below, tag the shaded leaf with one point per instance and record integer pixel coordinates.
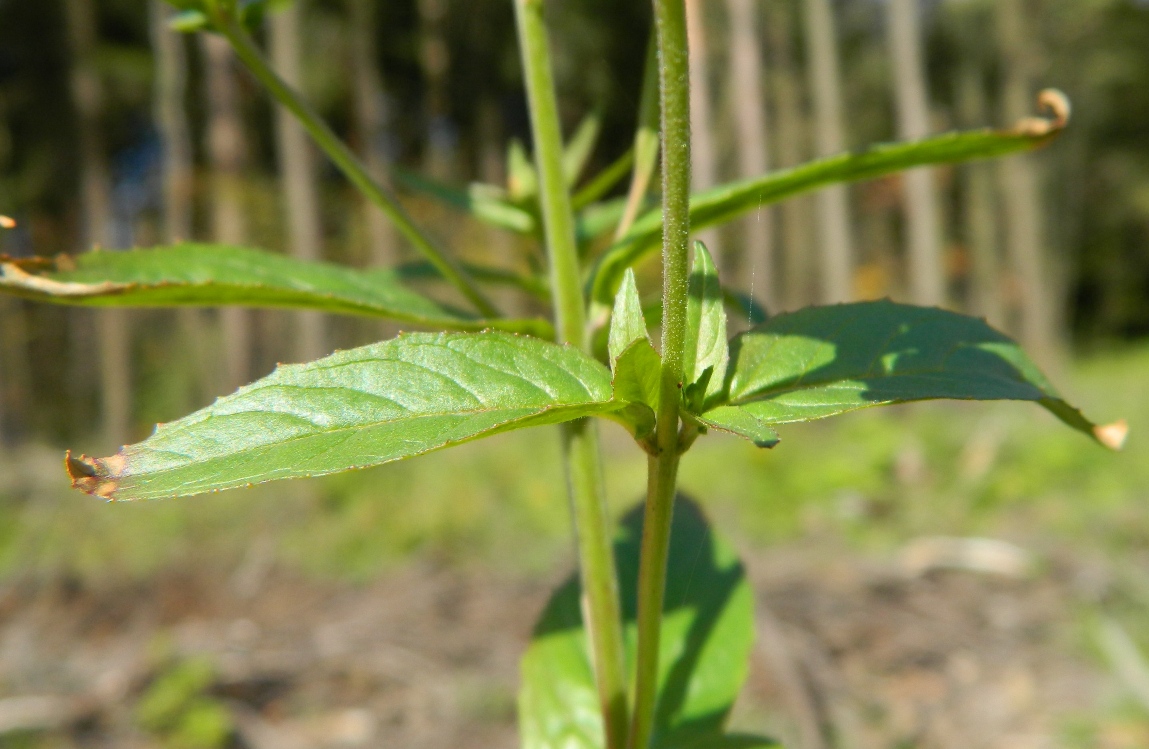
(213, 275)
(823, 361)
(727, 202)
(707, 634)
(359, 408)
(706, 346)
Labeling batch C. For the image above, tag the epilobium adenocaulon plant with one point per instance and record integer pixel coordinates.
(647, 646)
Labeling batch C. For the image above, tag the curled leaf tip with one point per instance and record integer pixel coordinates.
(1057, 105)
(7, 222)
(1112, 435)
(96, 476)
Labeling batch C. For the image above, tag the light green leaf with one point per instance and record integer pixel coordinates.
(578, 151)
(823, 361)
(707, 634)
(706, 346)
(522, 179)
(485, 203)
(358, 408)
(727, 202)
(738, 421)
(636, 375)
(213, 275)
(627, 324)
(604, 181)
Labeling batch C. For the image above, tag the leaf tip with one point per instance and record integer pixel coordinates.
(1112, 435)
(1057, 105)
(96, 476)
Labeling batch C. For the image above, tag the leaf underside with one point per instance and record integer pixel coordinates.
(707, 634)
(213, 275)
(359, 408)
(823, 361)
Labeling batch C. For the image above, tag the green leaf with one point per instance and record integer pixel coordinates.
(485, 203)
(823, 361)
(707, 634)
(580, 148)
(706, 346)
(212, 275)
(358, 408)
(727, 202)
(604, 181)
(627, 324)
(729, 741)
(522, 179)
(739, 422)
(635, 364)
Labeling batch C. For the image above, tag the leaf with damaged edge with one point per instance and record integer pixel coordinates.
(824, 361)
(214, 275)
(727, 202)
(392, 400)
(706, 346)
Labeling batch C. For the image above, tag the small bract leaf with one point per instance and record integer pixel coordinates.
(636, 374)
(707, 634)
(355, 409)
(823, 361)
(627, 323)
(706, 346)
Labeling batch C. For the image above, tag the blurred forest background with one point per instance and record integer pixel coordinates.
(115, 131)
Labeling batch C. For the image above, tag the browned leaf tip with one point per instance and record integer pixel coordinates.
(96, 476)
(1057, 105)
(16, 275)
(7, 222)
(1112, 435)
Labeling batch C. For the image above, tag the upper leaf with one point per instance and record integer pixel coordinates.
(705, 346)
(627, 323)
(635, 364)
(707, 634)
(359, 408)
(727, 202)
(823, 361)
(200, 275)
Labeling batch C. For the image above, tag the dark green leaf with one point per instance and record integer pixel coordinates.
(729, 741)
(359, 408)
(212, 275)
(727, 202)
(707, 634)
(706, 346)
(823, 361)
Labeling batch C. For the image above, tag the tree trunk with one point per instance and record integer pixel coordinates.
(981, 229)
(705, 160)
(923, 224)
(172, 122)
(371, 120)
(297, 172)
(823, 68)
(435, 57)
(798, 270)
(112, 326)
(227, 152)
(749, 100)
(1040, 315)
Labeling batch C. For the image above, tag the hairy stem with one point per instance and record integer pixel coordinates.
(348, 162)
(674, 83)
(580, 439)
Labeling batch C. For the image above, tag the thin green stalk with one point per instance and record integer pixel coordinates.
(674, 83)
(580, 439)
(645, 142)
(347, 162)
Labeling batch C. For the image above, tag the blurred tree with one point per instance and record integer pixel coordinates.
(823, 69)
(227, 154)
(702, 126)
(749, 103)
(112, 326)
(1040, 315)
(919, 194)
(297, 172)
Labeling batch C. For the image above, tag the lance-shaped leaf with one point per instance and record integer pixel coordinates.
(707, 634)
(727, 202)
(823, 361)
(705, 346)
(392, 400)
(213, 275)
(578, 151)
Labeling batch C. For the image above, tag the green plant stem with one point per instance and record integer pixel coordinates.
(347, 162)
(645, 142)
(674, 83)
(580, 439)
